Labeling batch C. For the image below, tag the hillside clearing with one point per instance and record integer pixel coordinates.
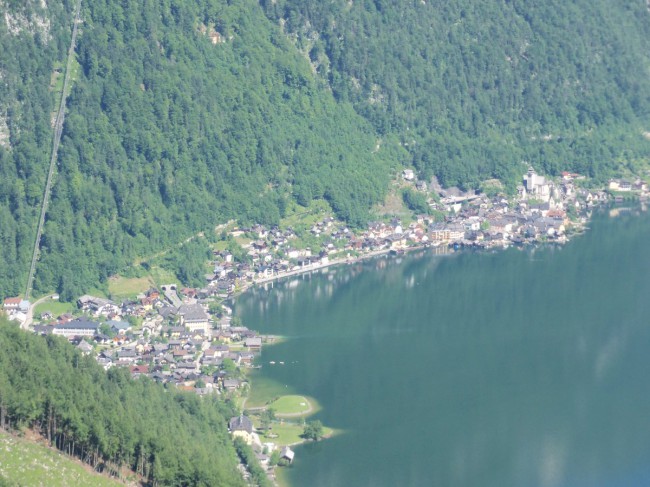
(27, 463)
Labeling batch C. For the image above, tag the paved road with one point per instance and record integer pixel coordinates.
(173, 298)
(30, 313)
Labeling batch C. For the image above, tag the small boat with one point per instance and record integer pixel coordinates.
(272, 362)
(281, 363)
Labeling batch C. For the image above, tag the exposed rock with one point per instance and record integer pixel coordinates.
(33, 23)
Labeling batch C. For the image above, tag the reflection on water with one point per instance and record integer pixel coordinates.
(515, 368)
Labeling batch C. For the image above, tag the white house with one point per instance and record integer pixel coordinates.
(194, 318)
(76, 328)
(408, 174)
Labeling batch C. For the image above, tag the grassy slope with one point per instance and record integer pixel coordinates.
(27, 463)
(124, 287)
(55, 307)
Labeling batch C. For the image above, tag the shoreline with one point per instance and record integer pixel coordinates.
(604, 227)
(335, 262)
(279, 476)
(579, 228)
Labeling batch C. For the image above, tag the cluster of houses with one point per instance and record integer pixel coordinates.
(182, 345)
(542, 211)
(16, 308)
(178, 342)
(625, 186)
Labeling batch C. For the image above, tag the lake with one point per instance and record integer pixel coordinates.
(523, 367)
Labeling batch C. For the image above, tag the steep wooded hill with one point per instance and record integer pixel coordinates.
(474, 88)
(186, 114)
(33, 41)
(110, 421)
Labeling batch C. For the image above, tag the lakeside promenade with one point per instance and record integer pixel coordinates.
(334, 262)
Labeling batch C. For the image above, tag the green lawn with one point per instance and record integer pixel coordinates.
(57, 308)
(243, 241)
(123, 287)
(75, 67)
(264, 390)
(294, 405)
(56, 83)
(299, 215)
(97, 292)
(162, 276)
(288, 433)
(27, 463)
(220, 245)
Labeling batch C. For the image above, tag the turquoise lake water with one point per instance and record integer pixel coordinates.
(524, 367)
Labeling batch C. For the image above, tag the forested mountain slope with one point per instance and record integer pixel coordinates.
(32, 40)
(109, 420)
(187, 114)
(474, 88)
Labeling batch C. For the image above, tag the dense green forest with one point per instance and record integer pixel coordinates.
(109, 420)
(186, 114)
(168, 133)
(474, 88)
(32, 41)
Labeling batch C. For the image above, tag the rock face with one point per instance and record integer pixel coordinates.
(4, 129)
(33, 18)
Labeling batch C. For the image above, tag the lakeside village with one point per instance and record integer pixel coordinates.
(189, 339)
(181, 343)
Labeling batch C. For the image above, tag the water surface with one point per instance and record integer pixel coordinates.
(514, 368)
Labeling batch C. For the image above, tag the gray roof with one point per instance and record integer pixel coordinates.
(187, 365)
(287, 452)
(93, 301)
(240, 423)
(166, 311)
(85, 346)
(78, 325)
(119, 325)
(193, 312)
